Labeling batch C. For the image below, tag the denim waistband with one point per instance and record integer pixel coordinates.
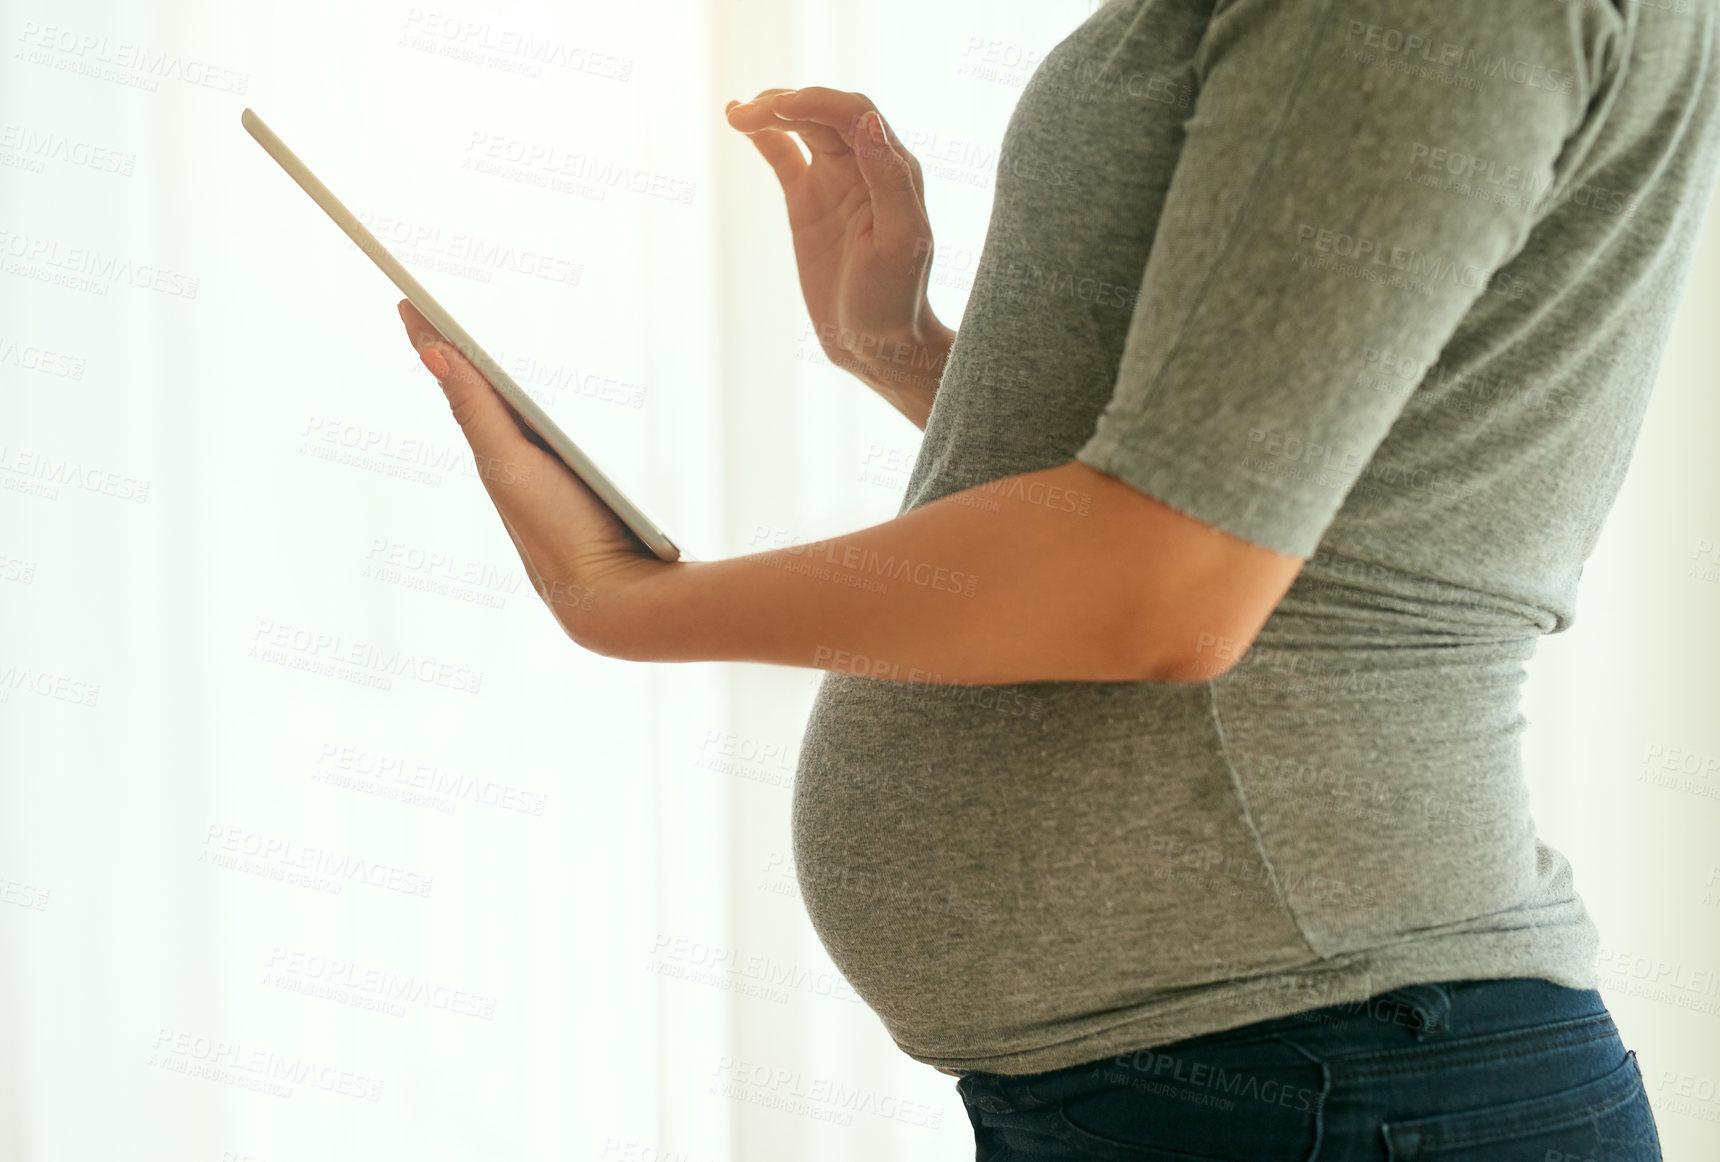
(1400, 1018)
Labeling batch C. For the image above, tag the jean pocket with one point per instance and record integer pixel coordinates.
(1604, 1120)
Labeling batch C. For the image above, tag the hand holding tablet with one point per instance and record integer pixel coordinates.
(523, 408)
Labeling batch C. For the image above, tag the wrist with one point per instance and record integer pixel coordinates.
(929, 331)
(629, 607)
(926, 344)
(912, 359)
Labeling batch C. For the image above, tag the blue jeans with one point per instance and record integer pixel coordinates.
(1518, 1070)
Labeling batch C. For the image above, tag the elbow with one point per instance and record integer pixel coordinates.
(1188, 669)
(1193, 657)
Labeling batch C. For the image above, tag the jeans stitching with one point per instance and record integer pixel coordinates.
(1075, 1135)
(1524, 1042)
(1482, 1047)
(1320, 1108)
(1576, 1115)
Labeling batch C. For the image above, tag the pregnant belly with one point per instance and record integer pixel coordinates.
(986, 869)
(973, 871)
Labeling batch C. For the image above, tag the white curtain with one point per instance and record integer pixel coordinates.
(318, 840)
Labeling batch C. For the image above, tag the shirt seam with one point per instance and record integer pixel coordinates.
(1248, 821)
(1145, 440)
(1245, 494)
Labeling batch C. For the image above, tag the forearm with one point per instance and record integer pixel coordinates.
(1019, 580)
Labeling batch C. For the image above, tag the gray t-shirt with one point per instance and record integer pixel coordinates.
(1381, 284)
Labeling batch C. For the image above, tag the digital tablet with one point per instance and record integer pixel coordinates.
(523, 405)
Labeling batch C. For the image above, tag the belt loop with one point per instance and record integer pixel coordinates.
(1431, 1004)
(984, 1092)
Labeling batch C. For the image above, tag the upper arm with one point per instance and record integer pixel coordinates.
(1198, 594)
(1290, 246)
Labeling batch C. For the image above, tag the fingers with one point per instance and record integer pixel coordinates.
(759, 113)
(476, 407)
(897, 214)
(504, 452)
(762, 94)
(422, 332)
(913, 162)
(891, 174)
(836, 110)
(542, 503)
(833, 107)
(781, 152)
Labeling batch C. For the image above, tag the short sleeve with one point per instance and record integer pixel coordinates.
(1309, 225)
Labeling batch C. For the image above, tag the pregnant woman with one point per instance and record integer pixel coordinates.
(1164, 786)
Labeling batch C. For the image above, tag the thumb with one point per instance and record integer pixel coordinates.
(889, 177)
